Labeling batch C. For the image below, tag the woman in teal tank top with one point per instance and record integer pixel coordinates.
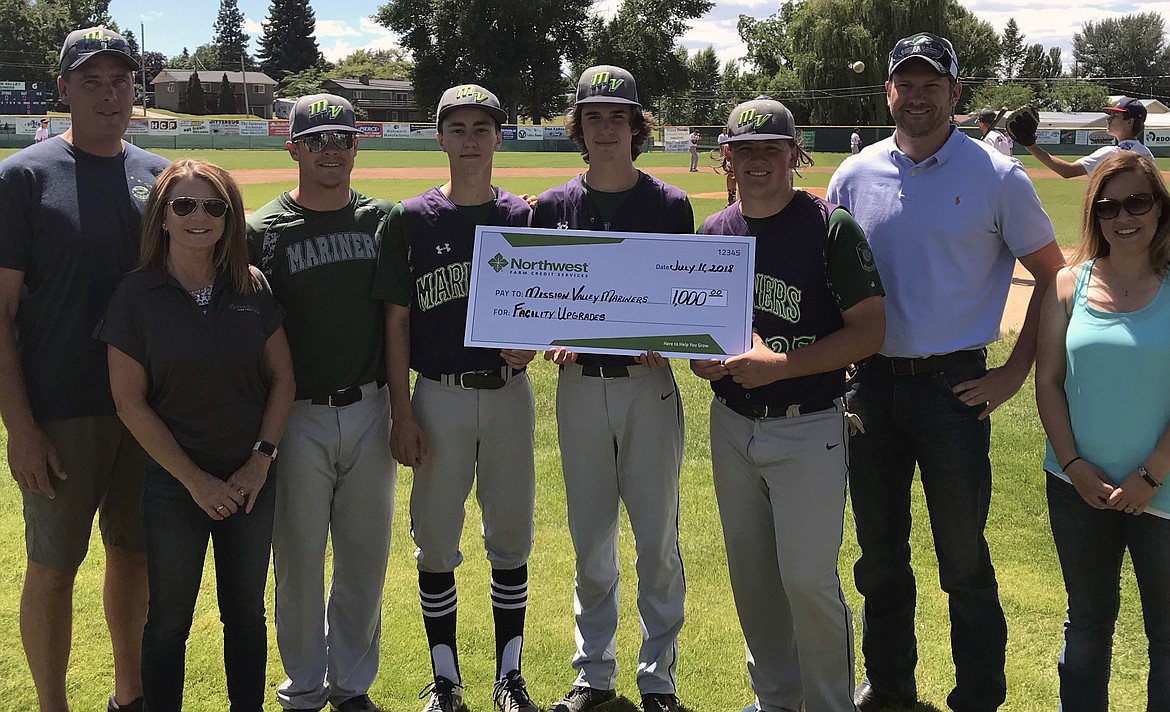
(1103, 393)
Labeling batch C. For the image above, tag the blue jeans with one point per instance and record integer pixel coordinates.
(1090, 543)
(176, 532)
(912, 420)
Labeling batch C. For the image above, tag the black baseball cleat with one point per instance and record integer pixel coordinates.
(510, 694)
(580, 698)
(134, 706)
(868, 698)
(656, 702)
(360, 703)
(445, 696)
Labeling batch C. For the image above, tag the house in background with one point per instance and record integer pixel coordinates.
(170, 90)
(388, 100)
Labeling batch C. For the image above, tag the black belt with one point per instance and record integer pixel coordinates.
(340, 399)
(488, 379)
(596, 370)
(928, 366)
(758, 412)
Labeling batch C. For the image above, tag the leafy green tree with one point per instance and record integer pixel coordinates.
(23, 57)
(1127, 46)
(306, 81)
(231, 42)
(196, 101)
(153, 63)
(703, 69)
(641, 38)
(181, 60)
(1012, 51)
(1002, 96)
(514, 49)
(288, 44)
(1074, 96)
(375, 64)
(226, 101)
(768, 45)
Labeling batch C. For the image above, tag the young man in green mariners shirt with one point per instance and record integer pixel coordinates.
(471, 417)
(318, 245)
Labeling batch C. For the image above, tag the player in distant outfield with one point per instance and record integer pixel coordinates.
(1124, 121)
(472, 416)
(318, 245)
(778, 435)
(619, 420)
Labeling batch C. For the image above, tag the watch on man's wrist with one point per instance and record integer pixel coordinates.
(1145, 475)
(265, 448)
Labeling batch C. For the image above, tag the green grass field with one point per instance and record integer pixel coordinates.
(711, 674)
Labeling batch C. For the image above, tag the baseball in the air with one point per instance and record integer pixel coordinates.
(858, 66)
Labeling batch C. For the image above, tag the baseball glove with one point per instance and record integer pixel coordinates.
(1021, 125)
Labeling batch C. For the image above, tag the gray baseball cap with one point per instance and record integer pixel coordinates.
(762, 119)
(321, 112)
(470, 95)
(607, 84)
(82, 45)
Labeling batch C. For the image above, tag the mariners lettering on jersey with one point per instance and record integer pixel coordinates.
(445, 284)
(777, 297)
(329, 249)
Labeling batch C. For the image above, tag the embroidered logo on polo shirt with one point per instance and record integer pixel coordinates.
(243, 308)
(140, 193)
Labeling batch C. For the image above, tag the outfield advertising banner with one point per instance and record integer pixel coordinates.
(508, 132)
(164, 127)
(423, 131)
(530, 133)
(254, 128)
(278, 128)
(677, 139)
(369, 129)
(395, 130)
(555, 133)
(1157, 137)
(1048, 136)
(223, 127)
(138, 127)
(28, 126)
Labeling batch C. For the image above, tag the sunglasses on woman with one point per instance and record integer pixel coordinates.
(1136, 204)
(215, 207)
(317, 142)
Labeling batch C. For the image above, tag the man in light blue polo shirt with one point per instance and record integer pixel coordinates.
(946, 217)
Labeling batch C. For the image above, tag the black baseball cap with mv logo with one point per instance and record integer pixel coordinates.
(607, 84)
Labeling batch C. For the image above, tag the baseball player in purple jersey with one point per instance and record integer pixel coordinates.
(472, 415)
(778, 432)
(620, 423)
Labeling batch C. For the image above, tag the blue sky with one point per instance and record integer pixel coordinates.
(345, 25)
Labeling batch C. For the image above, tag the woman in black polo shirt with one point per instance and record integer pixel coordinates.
(201, 375)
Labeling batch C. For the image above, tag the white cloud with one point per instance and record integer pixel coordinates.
(371, 27)
(334, 28)
(253, 27)
(342, 49)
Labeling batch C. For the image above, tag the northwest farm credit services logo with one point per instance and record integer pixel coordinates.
(538, 267)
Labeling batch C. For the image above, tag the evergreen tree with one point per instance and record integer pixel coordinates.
(288, 45)
(231, 41)
(1013, 51)
(196, 101)
(227, 97)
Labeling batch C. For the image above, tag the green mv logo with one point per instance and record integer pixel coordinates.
(469, 90)
(498, 262)
(95, 35)
(322, 106)
(604, 82)
(751, 117)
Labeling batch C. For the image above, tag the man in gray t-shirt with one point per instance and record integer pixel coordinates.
(72, 206)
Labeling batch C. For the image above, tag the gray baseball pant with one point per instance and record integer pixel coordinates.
(780, 484)
(336, 481)
(485, 436)
(621, 441)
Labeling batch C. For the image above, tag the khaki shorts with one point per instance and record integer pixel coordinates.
(103, 463)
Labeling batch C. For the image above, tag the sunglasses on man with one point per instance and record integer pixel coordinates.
(317, 142)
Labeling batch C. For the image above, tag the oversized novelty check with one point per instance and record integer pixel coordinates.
(687, 296)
